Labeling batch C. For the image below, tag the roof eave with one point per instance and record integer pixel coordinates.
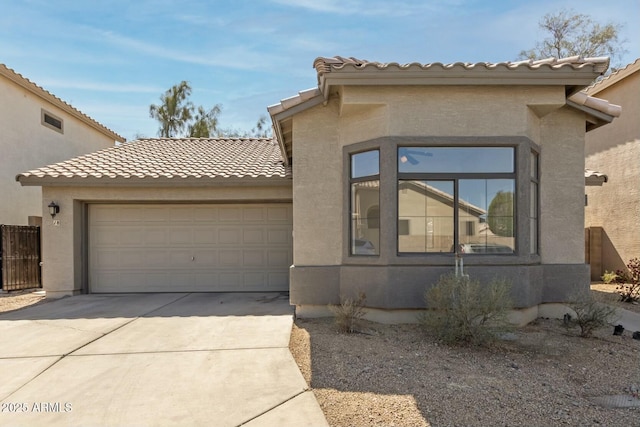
(260, 181)
(53, 100)
(594, 118)
(277, 116)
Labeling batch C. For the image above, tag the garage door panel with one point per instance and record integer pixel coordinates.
(253, 258)
(229, 236)
(277, 258)
(178, 248)
(182, 236)
(206, 235)
(205, 214)
(280, 236)
(127, 235)
(279, 214)
(253, 236)
(229, 214)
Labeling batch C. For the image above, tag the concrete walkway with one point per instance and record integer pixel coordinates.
(153, 360)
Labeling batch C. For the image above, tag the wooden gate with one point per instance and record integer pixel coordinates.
(20, 257)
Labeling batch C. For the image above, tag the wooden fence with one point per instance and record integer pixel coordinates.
(20, 257)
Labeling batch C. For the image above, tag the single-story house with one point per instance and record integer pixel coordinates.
(375, 181)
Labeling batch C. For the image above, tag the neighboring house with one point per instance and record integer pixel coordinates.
(37, 129)
(612, 214)
(373, 182)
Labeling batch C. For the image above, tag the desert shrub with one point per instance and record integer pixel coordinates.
(462, 310)
(589, 314)
(609, 277)
(629, 288)
(349, 312)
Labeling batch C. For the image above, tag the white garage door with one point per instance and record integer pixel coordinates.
(189, 248)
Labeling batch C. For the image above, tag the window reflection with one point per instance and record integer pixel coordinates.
(365, 218)
(456, 159)
(425, 216)
(365, 164)
(486, 216)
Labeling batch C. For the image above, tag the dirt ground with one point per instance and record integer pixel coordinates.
(541, 375)
(15, 300)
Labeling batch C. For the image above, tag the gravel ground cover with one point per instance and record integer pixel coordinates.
(14, 300)
(395, 375)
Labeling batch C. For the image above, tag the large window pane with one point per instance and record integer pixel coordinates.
(486, 216)
(365, 164)
(425, 216)
(365, 218)
(456, 159)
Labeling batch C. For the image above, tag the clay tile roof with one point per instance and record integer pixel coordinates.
(614, 77)
(24, 82)
(175, 159)
(326, 65)
(594, 178)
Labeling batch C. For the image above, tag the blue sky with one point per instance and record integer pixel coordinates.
(112, 59)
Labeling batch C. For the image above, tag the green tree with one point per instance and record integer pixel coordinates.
(571, 34)
(500, 215)
(175, 111)
(205, 124)
(261, 129)
(178, 116)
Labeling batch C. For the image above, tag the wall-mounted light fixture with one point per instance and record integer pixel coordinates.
(53, 209)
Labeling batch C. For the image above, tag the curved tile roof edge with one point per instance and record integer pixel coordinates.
(325, 64)
(614, 77)
(24, 82)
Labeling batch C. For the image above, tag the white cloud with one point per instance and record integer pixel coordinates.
(370, 7)
(236, 57)
(99, 86)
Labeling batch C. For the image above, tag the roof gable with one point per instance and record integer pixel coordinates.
(38, 91)
(574, 73)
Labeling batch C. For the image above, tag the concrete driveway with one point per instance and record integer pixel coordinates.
(153, 359)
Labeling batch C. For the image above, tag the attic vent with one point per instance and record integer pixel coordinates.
(52, 122)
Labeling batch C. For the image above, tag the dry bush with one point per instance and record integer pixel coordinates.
(464, 311)
(590, 314)
(349, 312)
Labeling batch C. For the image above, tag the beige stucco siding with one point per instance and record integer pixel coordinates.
(615, 150)
(360, 113)
(27, 144)
(62, 272)
(562, 187)
(318, 187)
(445, 110)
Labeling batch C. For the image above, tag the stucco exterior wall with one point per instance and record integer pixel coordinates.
(562, 187)
(615, 150)
(322, 268)
(27, 144)
(64, 267)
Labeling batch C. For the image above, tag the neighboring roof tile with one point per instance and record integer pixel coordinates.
(594, 178)
(614, 77)
(170, 159)
(24, 82)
